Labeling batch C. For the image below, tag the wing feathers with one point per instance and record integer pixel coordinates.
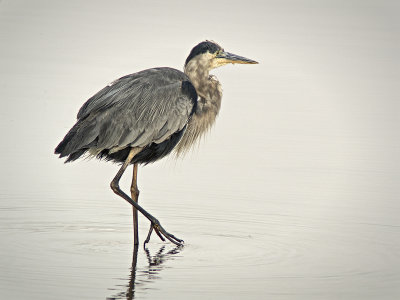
(135, 110)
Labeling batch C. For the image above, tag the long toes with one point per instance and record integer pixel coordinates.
(176, 239)
(173, 241)
(179, 241)
(161, 232)
(172, 238)
(148, 235)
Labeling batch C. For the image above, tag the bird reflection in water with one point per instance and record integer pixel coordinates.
(140, 277)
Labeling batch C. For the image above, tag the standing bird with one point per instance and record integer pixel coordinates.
(142, 117)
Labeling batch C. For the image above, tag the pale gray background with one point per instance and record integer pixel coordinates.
(293, 195)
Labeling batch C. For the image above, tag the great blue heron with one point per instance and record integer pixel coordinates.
(142, 117)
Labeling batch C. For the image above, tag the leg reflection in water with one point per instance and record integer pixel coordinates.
(140, 277)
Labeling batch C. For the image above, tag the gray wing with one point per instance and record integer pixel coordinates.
(135, 110)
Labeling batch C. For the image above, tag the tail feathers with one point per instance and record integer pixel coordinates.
(61, 148)
(77, 141)
(75, 155)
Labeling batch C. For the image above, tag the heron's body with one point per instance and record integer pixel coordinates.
(149, 110)
(142, 117)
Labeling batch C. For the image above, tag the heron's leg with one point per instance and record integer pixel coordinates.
(135, 197)
(117, 190)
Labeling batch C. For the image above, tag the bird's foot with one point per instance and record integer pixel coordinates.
(162, 234)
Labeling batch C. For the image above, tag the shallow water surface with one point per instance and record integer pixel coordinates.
(293, 194)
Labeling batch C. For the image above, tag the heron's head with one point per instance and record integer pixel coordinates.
(209, 55)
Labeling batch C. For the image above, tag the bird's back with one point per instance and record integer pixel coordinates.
(149, 109)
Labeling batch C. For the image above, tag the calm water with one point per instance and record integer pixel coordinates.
(293, 195)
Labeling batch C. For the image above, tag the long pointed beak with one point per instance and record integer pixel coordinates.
(235, 59)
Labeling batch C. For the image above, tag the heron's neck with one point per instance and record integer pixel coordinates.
(209, 91)
(207, 87)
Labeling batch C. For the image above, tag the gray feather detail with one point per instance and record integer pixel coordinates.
(135, 110)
